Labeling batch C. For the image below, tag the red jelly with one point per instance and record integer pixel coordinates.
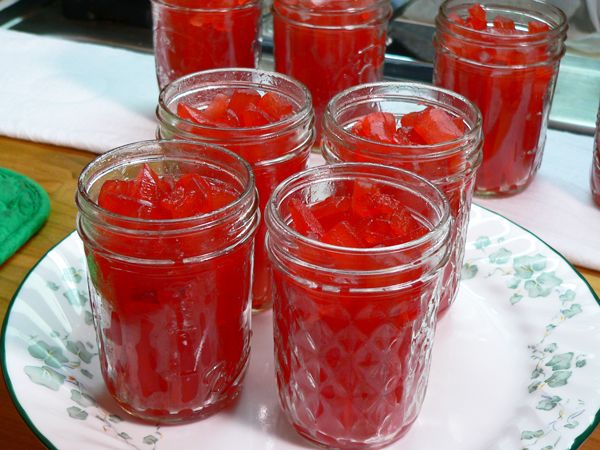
(357, 252)
(168, 233)
(365, 217)
(194, 35)
(432, 132)
(264, 117)
(330, 45)
(243, 108)
(505, 59)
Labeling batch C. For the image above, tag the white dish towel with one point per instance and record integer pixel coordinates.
(95, 98)
(79, 95)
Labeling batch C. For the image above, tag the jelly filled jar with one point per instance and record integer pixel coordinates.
(170, 297)
(330, 45)
(265, 117)
(194, 35)
(408, 125)
(354, 325)
(504, 56)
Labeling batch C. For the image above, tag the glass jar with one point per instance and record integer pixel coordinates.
(595, 179)
(170, 298)
(330, 46)
(451, 166)
(509, 75)
(275, 151)
(353, 327)
(194, 35)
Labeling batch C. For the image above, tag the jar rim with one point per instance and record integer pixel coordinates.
(304, 113)
(445, 149)
(556, 29)
(326, 12)
(200, 221)
(278, 223)
(384, 16)
(167, 4)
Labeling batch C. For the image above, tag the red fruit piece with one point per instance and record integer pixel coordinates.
(535, 26)
(304, 221)
(145, 189)
(221, 197)
(332, 207)
(504, 24)
(343, 235)
(241, 100)
(405, 227)
(407, 136)
(275, 106)
(196, 198)
(133, 198)
(378, 126)
(146, 185)
(218, 113)
(383, 204)
(114, 196)
(376, 232)
(362, 194)
(477, 17)
(192, 114)
(253, 116)
(409, 120)
(436, 126)
(401, 136)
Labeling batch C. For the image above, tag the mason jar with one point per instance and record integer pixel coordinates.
(275, 151)
(451, 166)
(509, 75)
(354, 327)
(330, 46)
(170, 298)
(194, 35)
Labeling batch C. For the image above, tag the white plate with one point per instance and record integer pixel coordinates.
(516, 361)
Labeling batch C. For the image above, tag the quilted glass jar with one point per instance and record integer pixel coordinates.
(353, 327)
(506, 62)
(452, 166)
(170, 298)
(193, 35)
(275, 150)
(330, 45)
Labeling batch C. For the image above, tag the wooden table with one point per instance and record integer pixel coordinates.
(57, 169)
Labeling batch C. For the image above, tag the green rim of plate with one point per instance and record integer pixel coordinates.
(7, 380)
(579, 440)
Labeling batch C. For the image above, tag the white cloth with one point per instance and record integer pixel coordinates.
(79, 95)
(95, 98)
(558, 206)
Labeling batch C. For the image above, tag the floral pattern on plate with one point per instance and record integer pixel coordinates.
(526, 326)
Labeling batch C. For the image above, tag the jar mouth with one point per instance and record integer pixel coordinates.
(89, 207)
(383, 6)
(295, 183)
(407, 93)
(201, 80)
(165, 3)
(371, 6)
(547, 13)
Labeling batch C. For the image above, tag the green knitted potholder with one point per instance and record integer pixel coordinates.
(24, 207)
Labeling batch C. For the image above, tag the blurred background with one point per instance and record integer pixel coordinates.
(127, 23)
